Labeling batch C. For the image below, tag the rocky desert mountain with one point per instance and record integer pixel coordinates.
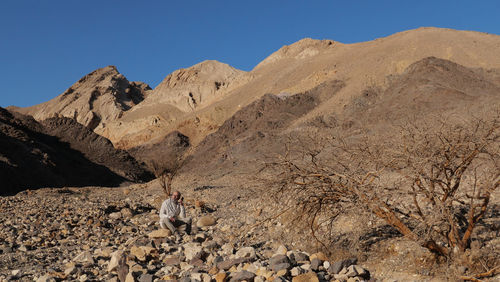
(100, 96)
(425, 90)
(304, 107)
(197, 100)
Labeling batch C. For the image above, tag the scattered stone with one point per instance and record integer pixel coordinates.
(296, 271)
(46, 278)
(203, 277)
(122, 271)
(247, 252)
(130, 277)
(145, 278)
(5, 249)
(227, 264)
(279, 266)
(160, 233)
(259, 279)
(84, 257)
(242, 275)
(172, 261)
(282, 272)
(362, 272)
(278, 259)
(94, 247)
(351, 271)
(83, 278)
(306, 266)
(16, 273)
(282, 250)
(70, 269)
(126, 213)
(306, 277)
(340, 277)
(227, 249)
(298, 257)
(220, 277)
(206, 220)
(336, 267)
(117, 258)
(192, 250)
(209, 245)
(138, 253)
(315, 263)
(319, 255)
(115, 215)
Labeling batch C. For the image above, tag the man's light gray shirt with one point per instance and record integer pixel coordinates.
(170, 209)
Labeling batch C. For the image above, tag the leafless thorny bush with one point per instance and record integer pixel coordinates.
(166, 169)
(432, 184)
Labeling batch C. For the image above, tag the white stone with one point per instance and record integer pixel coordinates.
(45, 278)
(246, 252)
(259, 279)
(115, 215)
(227, 249)
(296, 271)
(281, 250)
(160, 233)
(115, 260)
(83, 278)
(192, 250)
(84, 257)
(306, 267)
(360, 270)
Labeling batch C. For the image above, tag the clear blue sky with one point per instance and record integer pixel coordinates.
(46, 46)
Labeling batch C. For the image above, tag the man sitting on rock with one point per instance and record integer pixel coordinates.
(173, 214)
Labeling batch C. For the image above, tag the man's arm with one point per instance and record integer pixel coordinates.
(182, 213)
(163, 210)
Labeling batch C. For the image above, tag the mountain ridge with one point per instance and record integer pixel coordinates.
(197, 100)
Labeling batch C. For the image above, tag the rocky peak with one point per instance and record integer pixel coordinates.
(96, 98)
(207, 70)
(195, 86)
(301, 49)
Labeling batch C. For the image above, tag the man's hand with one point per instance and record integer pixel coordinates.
(172, 219)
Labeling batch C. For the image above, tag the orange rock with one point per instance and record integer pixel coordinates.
(199, 204)
(221, 277)
(306, 277)
(318, 255)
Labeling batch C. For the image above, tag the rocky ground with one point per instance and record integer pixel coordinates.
(112, 234)
(96, 234)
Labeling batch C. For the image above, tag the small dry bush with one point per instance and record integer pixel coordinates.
(165, 170)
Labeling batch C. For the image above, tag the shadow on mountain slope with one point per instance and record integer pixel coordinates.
(428, 88)
(30, 158)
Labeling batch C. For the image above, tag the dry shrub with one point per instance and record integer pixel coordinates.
(165, 170)
(432, 183)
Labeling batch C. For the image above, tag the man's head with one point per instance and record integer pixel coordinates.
(176, 196)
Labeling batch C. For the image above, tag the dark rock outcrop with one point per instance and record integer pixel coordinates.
(58, 153)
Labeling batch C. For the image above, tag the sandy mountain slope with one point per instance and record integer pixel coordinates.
(308, 63)
(57, 153)
(100, 96)
(258, 132)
